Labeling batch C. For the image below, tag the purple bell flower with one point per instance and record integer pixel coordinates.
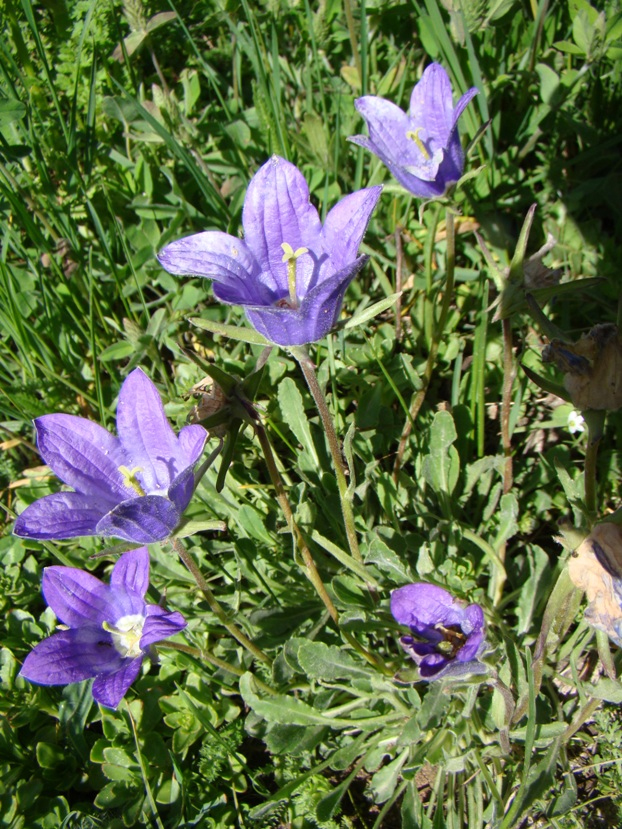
(447, 638)
(135, 486)
(289, 273)
(110, 628)
(421, 148)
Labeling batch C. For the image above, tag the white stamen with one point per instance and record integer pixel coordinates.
(126, 634)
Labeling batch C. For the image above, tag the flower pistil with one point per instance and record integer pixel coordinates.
(290, 255)
(130, 480)
(413, 135)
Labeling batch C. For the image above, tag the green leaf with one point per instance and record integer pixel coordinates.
(388, 561)
(328, 662)
(549, 84)
(545, 384)
(193, 527)
(293, 411)
(11, 110)
(383, 782)
(159, 20)
(233, 332)
(119, 765)
(343, 558)
(117, 351)
(508, 515)
(114, 795)
(568, 47)
(606, 689)
(49, 756)
(441, 466)
(329, 804)
(287, 710)
(372, 311)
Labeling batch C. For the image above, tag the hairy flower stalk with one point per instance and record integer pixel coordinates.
(215, 606)
(345, 497)
(311, 570)
(438, 329)
(110, 628)
(135, 486)
(290, 272)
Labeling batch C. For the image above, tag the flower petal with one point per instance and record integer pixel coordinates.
(70, 656)
(431, 103)
(473, 625)
(277, 210)
(260, 289)
(181, 490)
(76, 597)
(83, 455)
(413, 171)
(225, 259)
(160, 624)
(142, 520)
(212, 254)
(463, 103)
(388, 126)
(110, 688)
(191, 443)
(316, 315)
(422, 605)
(62, 515)
(420, 187)
(146, 435)
(131, 572)
(346, 224)
(430, 665)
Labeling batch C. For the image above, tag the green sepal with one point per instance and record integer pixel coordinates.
(237, 411)
(549, 386)
(228, 452)
(516, 273)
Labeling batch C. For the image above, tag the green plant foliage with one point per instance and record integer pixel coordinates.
(125, 126)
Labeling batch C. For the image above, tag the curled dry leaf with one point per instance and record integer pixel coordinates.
(596, 568)
(593, 367)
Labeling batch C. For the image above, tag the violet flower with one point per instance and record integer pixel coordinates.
(110, 628)
(135, 486)
(447, 638)
(421, 148)
(289, 273)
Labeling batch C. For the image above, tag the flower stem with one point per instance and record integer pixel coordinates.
(559, 613)
(204, 656)
(277, 482)
(434, 341)
(595, 421)
(353, 40)
(143, 770)
(506, 443)
(585, 714)
(311, 569)
(399, 263)
(506, 405)
(345, 496)
(215, 606)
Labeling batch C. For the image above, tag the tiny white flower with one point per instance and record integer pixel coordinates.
(575, 422)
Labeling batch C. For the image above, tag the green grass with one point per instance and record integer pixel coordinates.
(106, 156)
